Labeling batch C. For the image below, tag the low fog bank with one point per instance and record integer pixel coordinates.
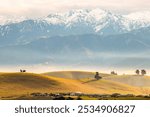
(48, 68)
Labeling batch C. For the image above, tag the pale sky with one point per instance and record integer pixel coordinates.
(36, 8)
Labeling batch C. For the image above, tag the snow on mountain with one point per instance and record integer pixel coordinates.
(21, 30)
(139, 16)
(97, 19)
(4, 20)
(139, 19)
(77, 35)
(100, 19)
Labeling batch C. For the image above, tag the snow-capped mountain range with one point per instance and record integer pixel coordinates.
(99, 19)
(83, 36)
(96, 18)
(75, 22)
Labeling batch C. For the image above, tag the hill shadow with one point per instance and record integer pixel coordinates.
(89, 81)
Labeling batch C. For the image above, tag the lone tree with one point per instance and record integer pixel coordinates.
(137, 72)
(143, 72)
(97, 76)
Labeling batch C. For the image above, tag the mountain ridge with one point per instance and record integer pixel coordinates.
(44, 42)
(76, 22)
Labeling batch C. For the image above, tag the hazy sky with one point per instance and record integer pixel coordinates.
(44, 7)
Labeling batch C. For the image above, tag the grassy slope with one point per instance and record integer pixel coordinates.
(114, 87)
(23, 83)
(119, 81)
(133, 80)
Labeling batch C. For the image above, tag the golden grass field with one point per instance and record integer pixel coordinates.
(73, 74)
(14, 84)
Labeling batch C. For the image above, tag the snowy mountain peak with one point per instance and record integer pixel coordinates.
(100, 21)
(99, 14)
(11, 19)
(95, 18)
(79, 13)
(74, 22)
(139, 16)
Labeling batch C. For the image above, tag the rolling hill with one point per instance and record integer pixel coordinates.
(73, 74)
(13, 84)
(132, 80)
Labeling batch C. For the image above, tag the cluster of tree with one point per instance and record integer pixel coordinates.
(142, 72)
(113, 73)
(22, 70)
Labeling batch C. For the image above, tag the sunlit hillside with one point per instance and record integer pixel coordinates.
(133, 80)
(13, 84)
(74, 74)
